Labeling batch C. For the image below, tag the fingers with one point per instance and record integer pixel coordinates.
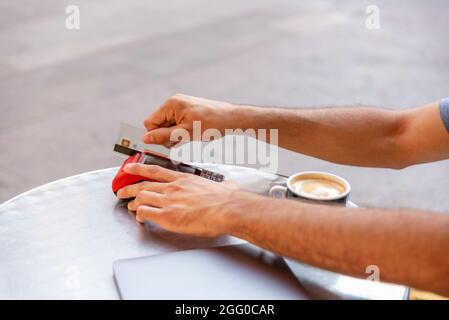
(148, 213)
(148, 198)
(153, 172)
(163, 116)
(160, 136)
(162, 123)
(132, 190)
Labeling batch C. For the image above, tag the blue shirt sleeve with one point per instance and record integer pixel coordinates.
(444, 112)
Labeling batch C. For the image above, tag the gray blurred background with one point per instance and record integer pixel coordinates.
(64, 93)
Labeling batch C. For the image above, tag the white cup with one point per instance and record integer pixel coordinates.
(290, 192)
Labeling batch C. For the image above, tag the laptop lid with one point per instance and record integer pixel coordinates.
(233, 272)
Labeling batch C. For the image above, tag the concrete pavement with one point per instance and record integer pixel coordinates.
(64, 93)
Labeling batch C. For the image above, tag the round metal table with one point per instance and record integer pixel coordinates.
(59, 241)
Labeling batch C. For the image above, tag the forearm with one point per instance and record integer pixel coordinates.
(355, 136)
(408, 246)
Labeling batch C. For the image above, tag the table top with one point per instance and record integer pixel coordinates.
(59, 241)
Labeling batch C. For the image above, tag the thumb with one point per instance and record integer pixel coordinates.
(166, 136)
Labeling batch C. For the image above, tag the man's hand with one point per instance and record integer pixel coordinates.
(178, 202)
(179, 112)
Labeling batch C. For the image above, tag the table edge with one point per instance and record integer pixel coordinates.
(53, 182)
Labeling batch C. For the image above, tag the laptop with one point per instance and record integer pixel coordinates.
(241, 271)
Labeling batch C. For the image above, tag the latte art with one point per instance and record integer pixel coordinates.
(318, 188)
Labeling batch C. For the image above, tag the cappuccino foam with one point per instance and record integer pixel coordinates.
(318, 188)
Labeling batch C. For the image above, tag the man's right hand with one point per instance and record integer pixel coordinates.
(180, 111)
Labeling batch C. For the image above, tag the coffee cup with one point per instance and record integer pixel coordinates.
(314, 186)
